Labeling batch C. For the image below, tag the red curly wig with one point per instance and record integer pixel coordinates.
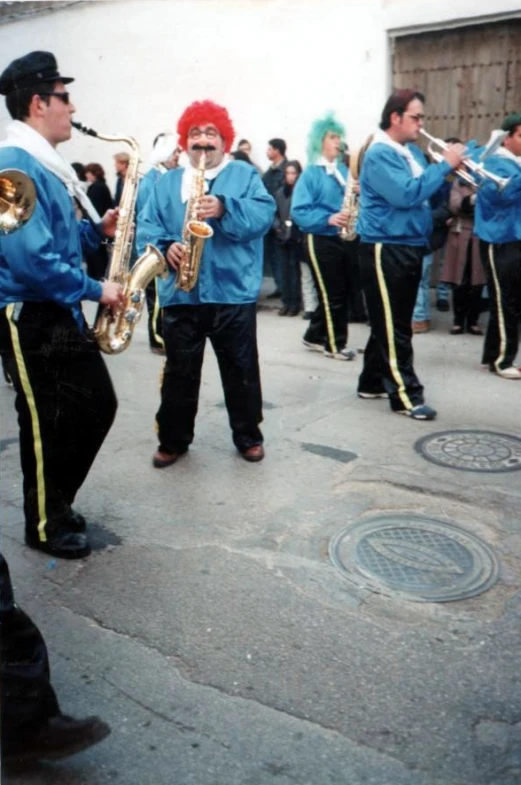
(206, 112)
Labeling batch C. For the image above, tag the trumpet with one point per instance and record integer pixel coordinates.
(472, 172)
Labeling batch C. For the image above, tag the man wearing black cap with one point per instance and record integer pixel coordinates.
(64, 396)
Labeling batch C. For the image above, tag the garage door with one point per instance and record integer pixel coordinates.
(471, 76)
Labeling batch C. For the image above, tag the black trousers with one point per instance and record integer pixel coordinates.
(155, 327)
(65, 403)
(502, 265)
(328, 258)
(232, 330)
(391, 275)
(27, 698)
(356, 310)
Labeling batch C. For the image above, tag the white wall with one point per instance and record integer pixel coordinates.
(275, 64)
(409, 14)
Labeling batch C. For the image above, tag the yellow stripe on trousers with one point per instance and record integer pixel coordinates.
(37, 437)
(323, 292)
(500, 313)
(389, 329)
(157, 309)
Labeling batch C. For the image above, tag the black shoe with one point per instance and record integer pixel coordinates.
(57, 738)
(76, 522)
(293, 312)
(307, 315)
(442, 305)
(274, 295)
(64, 545)
(284, 310)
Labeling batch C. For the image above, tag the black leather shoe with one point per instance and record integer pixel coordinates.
(64, 545)
(162, 459)
(76, 522)
(254, 453)
(57, 738)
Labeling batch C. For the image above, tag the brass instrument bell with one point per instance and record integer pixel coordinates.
(17, 200)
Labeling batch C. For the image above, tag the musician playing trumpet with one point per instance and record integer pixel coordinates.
(394, 225)
(235, 210)
(498, 225)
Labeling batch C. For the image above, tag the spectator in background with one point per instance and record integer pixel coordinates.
(100, 196)
(80, 171)
(245, 147)
(289, 238)
(273, 179)
(240, 155)
(121, 162)
(462, 265)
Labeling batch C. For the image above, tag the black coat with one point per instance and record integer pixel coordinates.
(273, 178)
(285, 230)
(99, 194)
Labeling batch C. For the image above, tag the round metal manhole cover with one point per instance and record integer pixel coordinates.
(472, 451)
(420, 559)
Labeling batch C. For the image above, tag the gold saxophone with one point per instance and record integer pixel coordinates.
(17, 200)
(195, 233)
(113, 329)
(351, 203)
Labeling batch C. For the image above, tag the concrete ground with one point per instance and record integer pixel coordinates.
(209, 627)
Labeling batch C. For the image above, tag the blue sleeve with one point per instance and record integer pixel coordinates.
(250, 216)
(143, 192)
(152, 227)
(510, 194)
(387, 176)
(306, 210)
(33, 263)
(90, 235)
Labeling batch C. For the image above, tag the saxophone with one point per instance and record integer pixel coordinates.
(350, 205)
(113, 329)
(195, 233)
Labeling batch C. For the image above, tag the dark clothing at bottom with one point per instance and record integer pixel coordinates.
(232, 330)
(356, 310)
(27, 697)
(391, 275)
(502, 265)
(290, 255)
(466, 298)
(65, 403)
(328, 258)
(155, 327)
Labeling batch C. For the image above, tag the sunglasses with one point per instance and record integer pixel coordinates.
(64, 97)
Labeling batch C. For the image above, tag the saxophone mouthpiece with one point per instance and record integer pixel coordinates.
(83, 129)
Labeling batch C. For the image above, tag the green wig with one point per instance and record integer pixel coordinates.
(317, 133)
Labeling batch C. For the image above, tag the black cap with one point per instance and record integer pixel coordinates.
(30, 71)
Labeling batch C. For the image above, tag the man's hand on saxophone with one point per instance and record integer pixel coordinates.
(109, 222)
(337, 219)
(209, 207)
(174, 255)
(112, 295)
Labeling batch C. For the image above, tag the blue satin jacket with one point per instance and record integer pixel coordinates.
(231, 265)
(42, 261)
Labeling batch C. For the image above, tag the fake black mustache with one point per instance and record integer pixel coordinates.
(202, 147)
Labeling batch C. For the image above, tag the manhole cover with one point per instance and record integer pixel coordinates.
(472, 451)
(421, 559)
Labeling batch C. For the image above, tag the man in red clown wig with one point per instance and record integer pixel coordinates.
(222, 303)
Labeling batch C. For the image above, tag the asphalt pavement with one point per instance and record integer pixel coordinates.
(210, 627)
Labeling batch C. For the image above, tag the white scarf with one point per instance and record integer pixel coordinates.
(22, 135)
(504, 153)
(380, 137)
(189, 173)
(332, 169)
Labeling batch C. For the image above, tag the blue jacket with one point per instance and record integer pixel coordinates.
(316, 196)
(394, 205)
(231, 265)
(498, 213)
(145, 187)
(42, 261)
